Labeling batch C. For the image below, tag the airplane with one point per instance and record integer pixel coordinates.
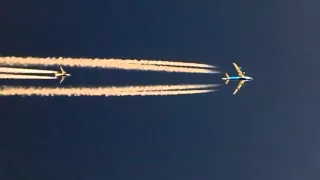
(63, 75)
(242, 78)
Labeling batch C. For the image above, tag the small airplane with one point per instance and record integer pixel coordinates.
(63, 75)
(242, 78)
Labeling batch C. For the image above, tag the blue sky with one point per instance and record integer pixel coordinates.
(269, 131)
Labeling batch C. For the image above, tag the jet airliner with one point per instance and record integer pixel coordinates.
(242, 78)
(63, 75)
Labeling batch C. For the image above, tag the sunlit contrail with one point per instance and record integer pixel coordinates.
(163, 87)
(91, 91)
(169, 63)
(97, 63)
(168, 68)
(18, 76)
(163, 93)
(23, 70)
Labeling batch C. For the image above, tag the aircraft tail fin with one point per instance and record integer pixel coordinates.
(226, 78)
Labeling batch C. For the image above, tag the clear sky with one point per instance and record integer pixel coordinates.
(269, 131)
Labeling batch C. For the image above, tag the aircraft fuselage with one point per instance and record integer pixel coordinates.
(239, 78)
(62, 74)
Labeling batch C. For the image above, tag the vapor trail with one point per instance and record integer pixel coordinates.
(96, 63)
(169, 63)
(164, 93)
(91, 91)
(23, 70)
(16, 76)
(168, 68)
(162, 87)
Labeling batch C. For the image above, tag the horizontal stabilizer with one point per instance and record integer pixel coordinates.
(226, 78)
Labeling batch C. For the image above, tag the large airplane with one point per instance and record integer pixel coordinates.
(242, 78)
(63, 75)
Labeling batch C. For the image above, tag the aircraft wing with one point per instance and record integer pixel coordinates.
(62, 79)
(239, 86)
(62, 71)
(240, 73)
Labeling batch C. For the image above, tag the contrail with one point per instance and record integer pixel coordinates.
(163, 87)
(168, 68)
(164, 93)
(169, 63)
(97, 63)
(23, 70)
(16, 76)
(92, 91)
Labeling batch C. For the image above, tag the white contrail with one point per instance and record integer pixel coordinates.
(162, 87)
(169, 68)
(168, 63)
(163, 93)
(96, 63)
(16, 76)
(23, 70)
(92, 91)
